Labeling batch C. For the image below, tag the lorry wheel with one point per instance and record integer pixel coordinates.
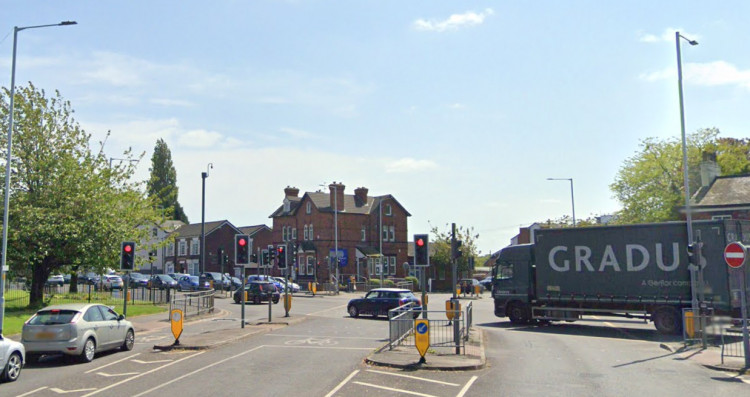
(666, 320)
(518, 313)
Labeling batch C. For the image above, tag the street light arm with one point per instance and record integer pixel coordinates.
(63, 23)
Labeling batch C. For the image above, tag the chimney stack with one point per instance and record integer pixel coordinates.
(291, 192)
(709, 169)
(360, 195)
(337, 195)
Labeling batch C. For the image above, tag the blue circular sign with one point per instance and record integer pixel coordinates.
(422, 328)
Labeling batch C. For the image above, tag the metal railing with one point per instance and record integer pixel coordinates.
(720, 331)
(442, 336)
(17, 295)
(193, 303)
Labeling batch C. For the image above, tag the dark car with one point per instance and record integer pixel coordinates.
(257, 292)
(89, 278)
(486, 283)
(380, 300)
(215, 279)
(162, 281)
(236, 283)
(192, 283)
(136, 280)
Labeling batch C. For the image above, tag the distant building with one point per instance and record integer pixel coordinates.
(184, 256)
(719, 197)
(154, 260)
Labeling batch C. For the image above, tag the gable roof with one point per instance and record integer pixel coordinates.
(253, 230)
(194, 229)
(724, 191)
(352, 205)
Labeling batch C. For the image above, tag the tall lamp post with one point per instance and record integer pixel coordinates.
(688, 213)
(204, 175)
(572, 199)
(335, 235)
(380, 231)
(3, 266)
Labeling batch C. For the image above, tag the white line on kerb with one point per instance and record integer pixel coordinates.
(466, 388)
(343, 382)
(413, 377)
(396, 390)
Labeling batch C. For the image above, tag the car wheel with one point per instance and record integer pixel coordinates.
(275, 301)
(237, 299)
(256, 300)
(13, 368)
(353, 311)
(89, 349)
(127, 344)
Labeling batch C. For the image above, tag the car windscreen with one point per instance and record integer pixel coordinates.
(268, 287)
(52, 317)
(194, 279)
(166, 278)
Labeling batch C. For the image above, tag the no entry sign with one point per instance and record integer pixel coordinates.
(734, 255)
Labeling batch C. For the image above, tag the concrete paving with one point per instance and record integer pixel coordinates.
(709, 357)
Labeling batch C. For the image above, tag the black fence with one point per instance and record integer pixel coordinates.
(17, 295)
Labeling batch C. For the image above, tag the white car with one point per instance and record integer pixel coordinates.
(293, 287)
(12, 359)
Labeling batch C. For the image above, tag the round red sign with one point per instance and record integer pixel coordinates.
(734, 255)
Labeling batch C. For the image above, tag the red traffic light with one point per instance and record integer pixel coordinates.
(127, 248)
(420, 242)
(281, 249)
(242, 242)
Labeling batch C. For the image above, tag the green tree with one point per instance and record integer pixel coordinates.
(162, 186)
(441, 253)
(68, 209)
(650, 185)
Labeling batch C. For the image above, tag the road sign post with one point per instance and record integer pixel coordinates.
(422, 337)
(176, 318)
(735, 255)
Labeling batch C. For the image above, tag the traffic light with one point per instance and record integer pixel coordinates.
(456, 249)
(220, 256)
(264, 258)
(421, 249)
(271, 255)
(254, 258)
(281, 255)
(127, 255)
(241, 249)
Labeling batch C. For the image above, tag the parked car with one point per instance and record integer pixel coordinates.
(12, 359)
(255, 277)
(486, 283)
(76, 329)
(380, 300)
(293, 287)
(66, 278)
(112, 282)
(56, 280)
(136, 280)
(236, 283)
(257, 292)
(162, 281)
(215, 279)
(89, 278)
(192, 283)
(177, 276)
(468, 284)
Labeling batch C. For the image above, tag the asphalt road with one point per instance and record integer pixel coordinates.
(321, 354)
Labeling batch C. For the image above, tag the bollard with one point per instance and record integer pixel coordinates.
(689, 324)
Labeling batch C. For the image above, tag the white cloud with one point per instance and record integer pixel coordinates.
(409, 165)
(199, 139)
(709, 74)
(457, 106)
(295, 133)
(667, 35)
(454, 22)
(171, 102)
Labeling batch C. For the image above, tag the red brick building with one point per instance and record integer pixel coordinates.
(306, 225)
(186, 256)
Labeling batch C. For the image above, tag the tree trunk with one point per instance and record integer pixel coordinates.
(39, 277)
(73, 288)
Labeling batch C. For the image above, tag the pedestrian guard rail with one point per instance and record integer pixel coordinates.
(721, 331)
(193, 304)
(442, 333)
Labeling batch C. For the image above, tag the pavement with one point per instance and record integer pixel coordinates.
(710, 357)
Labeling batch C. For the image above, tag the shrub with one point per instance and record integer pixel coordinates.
(388, 283)
(414, 282)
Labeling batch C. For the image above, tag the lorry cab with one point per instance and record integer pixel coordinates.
(512, 283)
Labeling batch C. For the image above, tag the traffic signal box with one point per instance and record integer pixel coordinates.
(241, 249)
(264, 261)
(421, 249)
(281, 256)
(127, 255)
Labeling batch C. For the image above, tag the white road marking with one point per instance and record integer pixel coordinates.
(311, 341)
(196, 371)
(114, 362)
(60, 391)
(466, 388)
(142, 374)
(32, 392)
(413, 393)
(150, 362)
(112, 375)
(322, 347)
(323, 336)
(343, 382)
(413, 377)
(326, 310)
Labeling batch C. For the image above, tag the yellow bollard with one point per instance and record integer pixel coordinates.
(477, 288)
(449, 310)
(426, 299)
(287, 302)
(689, 324)
(309, 286)
(458, 289)
(211, 284)
(245, 296)
(128, 298)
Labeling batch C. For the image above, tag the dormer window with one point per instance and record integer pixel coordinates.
(287, 204)
(308, 209)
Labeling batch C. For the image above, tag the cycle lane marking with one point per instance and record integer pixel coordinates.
(342, 384)
(414, 377)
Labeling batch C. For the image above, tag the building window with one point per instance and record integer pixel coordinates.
(194, 247)
(155, 232)
(388, 210)
(308, 208)
(363, 233)
(312, 236)
(310, 265)
(384, 236)
(305, 233)
(182, 248)
(283, 233)
(393, 233)
(170, 249)
(294, 233)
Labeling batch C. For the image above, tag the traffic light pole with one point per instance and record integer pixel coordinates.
(125, 295)
(454, 300)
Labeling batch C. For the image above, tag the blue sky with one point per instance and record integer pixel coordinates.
(461, 110)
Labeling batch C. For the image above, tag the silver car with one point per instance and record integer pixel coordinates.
(11, 359)
(77, 329)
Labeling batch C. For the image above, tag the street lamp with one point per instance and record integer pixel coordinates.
(204, 175)
(380, 231)
(572, 199)
(688, 213)
(3, 266)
